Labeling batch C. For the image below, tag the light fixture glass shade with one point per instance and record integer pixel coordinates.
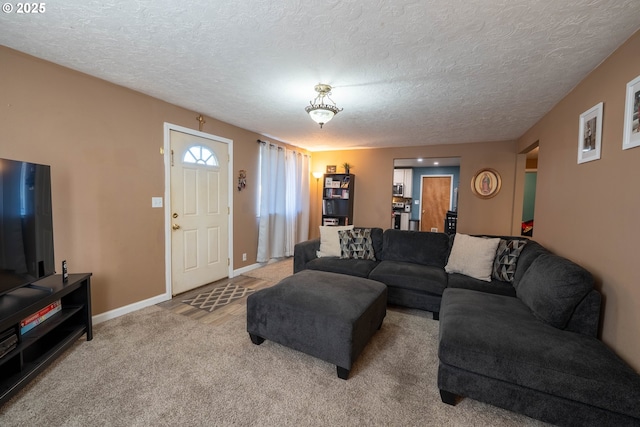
(320, 112)
(321, 115)
(317, 175)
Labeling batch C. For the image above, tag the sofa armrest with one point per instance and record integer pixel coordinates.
(304, 252)
(586, 317)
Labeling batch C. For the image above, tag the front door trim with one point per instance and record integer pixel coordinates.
(168, 127)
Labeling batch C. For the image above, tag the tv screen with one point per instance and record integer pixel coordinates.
(26, 224)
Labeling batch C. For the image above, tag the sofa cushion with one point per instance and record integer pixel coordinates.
(330, 240)
(498, 337)
(351, 267)
(356, 244)
(507, 254)
(406, 275)
(423, 248)
(499, 287)
(472, 256)
(530, 252)
(552, 287)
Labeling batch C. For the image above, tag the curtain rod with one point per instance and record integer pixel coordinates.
(271, 144)
(259, 141)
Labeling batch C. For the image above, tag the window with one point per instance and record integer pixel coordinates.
(200, 155)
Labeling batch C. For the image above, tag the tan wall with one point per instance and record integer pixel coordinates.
(103, 144)
(589, 212)
(374, 175)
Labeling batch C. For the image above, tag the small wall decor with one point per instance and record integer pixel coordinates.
(631, 134)
(242, 180)
(590, 134)
(486, 183)
(201, 121)
(331, 168)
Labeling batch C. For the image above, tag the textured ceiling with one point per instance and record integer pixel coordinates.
(405, 72)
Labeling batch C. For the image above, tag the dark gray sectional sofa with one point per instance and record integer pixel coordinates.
(529, 345)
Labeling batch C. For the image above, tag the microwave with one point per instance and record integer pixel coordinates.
(398, 190)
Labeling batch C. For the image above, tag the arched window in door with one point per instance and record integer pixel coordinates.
(200, 155)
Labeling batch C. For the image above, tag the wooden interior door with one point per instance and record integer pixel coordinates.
(435, 201)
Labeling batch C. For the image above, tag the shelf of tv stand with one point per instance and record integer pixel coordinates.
(37, 348)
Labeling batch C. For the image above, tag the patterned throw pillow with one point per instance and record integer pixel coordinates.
(504, 266)
(357, 244)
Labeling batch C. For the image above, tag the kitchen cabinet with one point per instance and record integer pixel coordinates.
(405, 178)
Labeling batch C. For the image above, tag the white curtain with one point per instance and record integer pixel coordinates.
(284, 201)
(303, 177)
(297, 200)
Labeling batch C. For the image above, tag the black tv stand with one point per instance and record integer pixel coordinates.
(42, 288)
(37, 348)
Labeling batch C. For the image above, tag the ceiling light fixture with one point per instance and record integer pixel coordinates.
(320, 112)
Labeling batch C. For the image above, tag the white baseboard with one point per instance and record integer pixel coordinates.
(102, 317)
(248, 268)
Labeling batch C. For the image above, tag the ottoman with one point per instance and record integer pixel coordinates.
(326, 315)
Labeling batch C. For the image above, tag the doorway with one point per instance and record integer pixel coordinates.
(411, 179)
(198, 208)
(435, 200)
(529, 193)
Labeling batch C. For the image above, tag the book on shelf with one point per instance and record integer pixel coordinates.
(40, 316)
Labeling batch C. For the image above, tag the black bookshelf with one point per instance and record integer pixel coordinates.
(337, 199)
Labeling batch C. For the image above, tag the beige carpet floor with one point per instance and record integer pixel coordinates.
(157, 368)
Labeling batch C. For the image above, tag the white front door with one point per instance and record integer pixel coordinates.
(199, 211)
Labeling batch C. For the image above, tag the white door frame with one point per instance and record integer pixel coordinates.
(168, 127)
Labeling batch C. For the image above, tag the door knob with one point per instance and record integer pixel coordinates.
(175, 227)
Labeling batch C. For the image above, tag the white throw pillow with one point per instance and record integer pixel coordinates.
(330, 240)
(472, 256)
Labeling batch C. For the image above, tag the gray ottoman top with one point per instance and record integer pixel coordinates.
(332, 294)
(326, 315)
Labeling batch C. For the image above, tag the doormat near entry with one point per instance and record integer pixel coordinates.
(218, 297)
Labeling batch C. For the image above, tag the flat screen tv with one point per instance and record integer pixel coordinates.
(26, 224)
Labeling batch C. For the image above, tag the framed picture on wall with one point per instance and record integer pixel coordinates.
(486, 183)
(331, 169)
(631, 134)
(590, 134)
